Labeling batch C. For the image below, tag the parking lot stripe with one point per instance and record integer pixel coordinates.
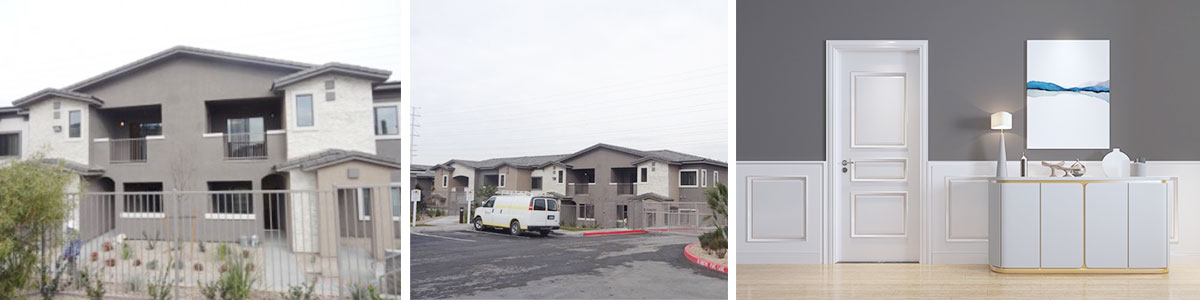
(614, 232)
(443, 237)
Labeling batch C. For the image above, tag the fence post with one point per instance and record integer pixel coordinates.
(178, 247)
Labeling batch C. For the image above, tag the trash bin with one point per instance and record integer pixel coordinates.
(462, 216)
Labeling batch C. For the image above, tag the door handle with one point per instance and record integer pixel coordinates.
(846, 165)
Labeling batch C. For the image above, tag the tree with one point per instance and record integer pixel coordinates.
(718, 202)
(483, 193)
(32, 194)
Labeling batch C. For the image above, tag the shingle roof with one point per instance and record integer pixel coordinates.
(191, 51)
(667, 156)
(334, 156)
(49, 92)
(520, 161)
(72, 166)
(348, 69)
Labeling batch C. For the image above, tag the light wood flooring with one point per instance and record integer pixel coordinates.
(914, 281)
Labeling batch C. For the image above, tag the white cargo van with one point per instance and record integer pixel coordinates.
(518, 213)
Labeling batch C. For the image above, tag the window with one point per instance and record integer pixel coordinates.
(148, 129)
(502, 180)
(703, 177)
(645, 173)
(387, 120)
(230, 200)
(143, 200)
(10, 144)
(589, 177)
(490, 202)
(716, 177)
(587, 212)
(535, 183)
(551, 205)
(539, 204)
(75, 119)
(622, 212)
(560, 176)
(687, 178)
(395, 191)
(364, 204)
(357, 200)
(304, 110)
(445, 180)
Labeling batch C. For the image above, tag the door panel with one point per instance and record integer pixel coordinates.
(1148, 225)
(1106, 225)
(1062, 225)
(879, 191)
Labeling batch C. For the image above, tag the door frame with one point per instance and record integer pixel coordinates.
(833, 149)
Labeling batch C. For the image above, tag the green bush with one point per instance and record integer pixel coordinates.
(235, 284)
(718, 201)
(301, 292)
(160, 286)
(368, 292)
(93, 286)
(32, 197)
(224, 252)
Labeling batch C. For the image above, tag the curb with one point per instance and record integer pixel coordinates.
(703, 262)
(613, 232)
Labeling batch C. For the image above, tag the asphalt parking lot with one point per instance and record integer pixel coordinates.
(485, 265)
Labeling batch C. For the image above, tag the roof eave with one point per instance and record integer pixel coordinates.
(375, 76)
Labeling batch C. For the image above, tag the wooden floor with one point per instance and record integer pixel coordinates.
(913, 281)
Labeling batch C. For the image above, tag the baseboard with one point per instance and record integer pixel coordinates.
(956, 258)
(765, 257)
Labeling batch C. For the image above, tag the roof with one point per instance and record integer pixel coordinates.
(388, 85)
(518, 162)
(420, 171)
(666, 156)
(51, 92)
(334, 67)
(11, 109)
(187, 50)
(74, 167)
(335, 156)
(651, 196)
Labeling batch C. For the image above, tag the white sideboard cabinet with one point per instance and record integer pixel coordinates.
(1078, 225)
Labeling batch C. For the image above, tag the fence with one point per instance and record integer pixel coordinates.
(127, 150)
(333, 240)
(245, 145)
(636, 214)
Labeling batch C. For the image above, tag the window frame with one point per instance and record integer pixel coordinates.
(216, 214)
(644, 172)
(375, 119)
(561, 174)
(362, 210)
(445, 180)
(716, 177)
(694, 171)
(397, 201)
(72, 124)
(502, 180)
(312, 109)
(540, 183)
(18, 143)
(703, 178)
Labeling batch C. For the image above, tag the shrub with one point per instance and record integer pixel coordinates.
(93, 286)
(126, 251)
(224, 252)
(32, 197)
(152, 265)
(368, 292)
(301, 292)
(160, 286)
(234, 284)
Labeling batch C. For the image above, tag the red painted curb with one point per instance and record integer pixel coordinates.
(703, 262)
(674, 229)
(613, 232)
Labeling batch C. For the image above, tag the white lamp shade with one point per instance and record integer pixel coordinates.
(1002, 120)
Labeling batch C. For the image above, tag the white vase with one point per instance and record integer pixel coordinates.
(1116, 163)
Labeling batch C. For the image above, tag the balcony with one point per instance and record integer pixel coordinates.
(626, 188)
(245, 145)
(579, 189)
(127, 150)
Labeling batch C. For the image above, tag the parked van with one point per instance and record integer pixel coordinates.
(518, 214)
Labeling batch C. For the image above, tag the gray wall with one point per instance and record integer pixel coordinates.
(976, 67)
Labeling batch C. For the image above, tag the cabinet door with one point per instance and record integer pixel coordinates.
(1062, 225)
(1107, 225)
(1148, 225)
(1019, 205)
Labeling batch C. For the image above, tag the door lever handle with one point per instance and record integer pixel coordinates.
(847, 162)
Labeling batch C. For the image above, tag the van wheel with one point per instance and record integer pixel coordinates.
(545, 232)
(514, 227)
(478, 224)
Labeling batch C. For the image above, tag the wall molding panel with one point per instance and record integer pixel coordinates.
(781, 213)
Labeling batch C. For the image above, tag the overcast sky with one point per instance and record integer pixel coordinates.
(515, 78)
(58, 43)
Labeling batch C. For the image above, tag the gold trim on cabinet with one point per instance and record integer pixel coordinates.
(1078, 181)
(1078, 271)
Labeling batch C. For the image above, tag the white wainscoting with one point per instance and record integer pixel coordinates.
(958, 195)
(781, 212)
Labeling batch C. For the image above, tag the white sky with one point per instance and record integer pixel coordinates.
(58, 43)
(529, 77)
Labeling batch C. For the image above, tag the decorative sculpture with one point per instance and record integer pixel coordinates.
(1076, 169)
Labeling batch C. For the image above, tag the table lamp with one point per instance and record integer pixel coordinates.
(1002, 120)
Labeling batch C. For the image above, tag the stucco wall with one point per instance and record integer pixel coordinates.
(42, 137)
(696, 194)
(344, 123)
(549, 176)
(658, 178)
(303, 209)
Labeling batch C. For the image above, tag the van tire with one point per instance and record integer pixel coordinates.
(515, 227)
(545, 232)
(478, 224)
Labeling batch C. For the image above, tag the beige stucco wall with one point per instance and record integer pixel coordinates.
(303, 209)
(658, 178)
(516, 179)
(344, 123)
(42, 137)
(369, 175)
(549, 176)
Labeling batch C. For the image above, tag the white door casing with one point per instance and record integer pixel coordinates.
(876, 99)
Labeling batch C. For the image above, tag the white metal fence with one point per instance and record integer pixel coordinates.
(333, 240)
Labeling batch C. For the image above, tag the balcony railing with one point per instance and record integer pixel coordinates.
(127, 150)
(579, 189)
(626, 189)
(245, 145)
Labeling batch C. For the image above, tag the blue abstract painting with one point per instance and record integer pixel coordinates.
(1067, 94)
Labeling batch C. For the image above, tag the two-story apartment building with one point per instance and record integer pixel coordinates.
(604, 184)
(191, 119)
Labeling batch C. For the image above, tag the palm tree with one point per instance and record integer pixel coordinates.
(718, 202)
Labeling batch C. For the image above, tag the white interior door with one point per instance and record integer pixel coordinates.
(878, 196)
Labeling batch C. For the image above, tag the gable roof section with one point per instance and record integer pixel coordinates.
(339, 68)
(50, 92)
(665, 156)
(77, 168)
(525, 162)
(186, 50)
(335, 156)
